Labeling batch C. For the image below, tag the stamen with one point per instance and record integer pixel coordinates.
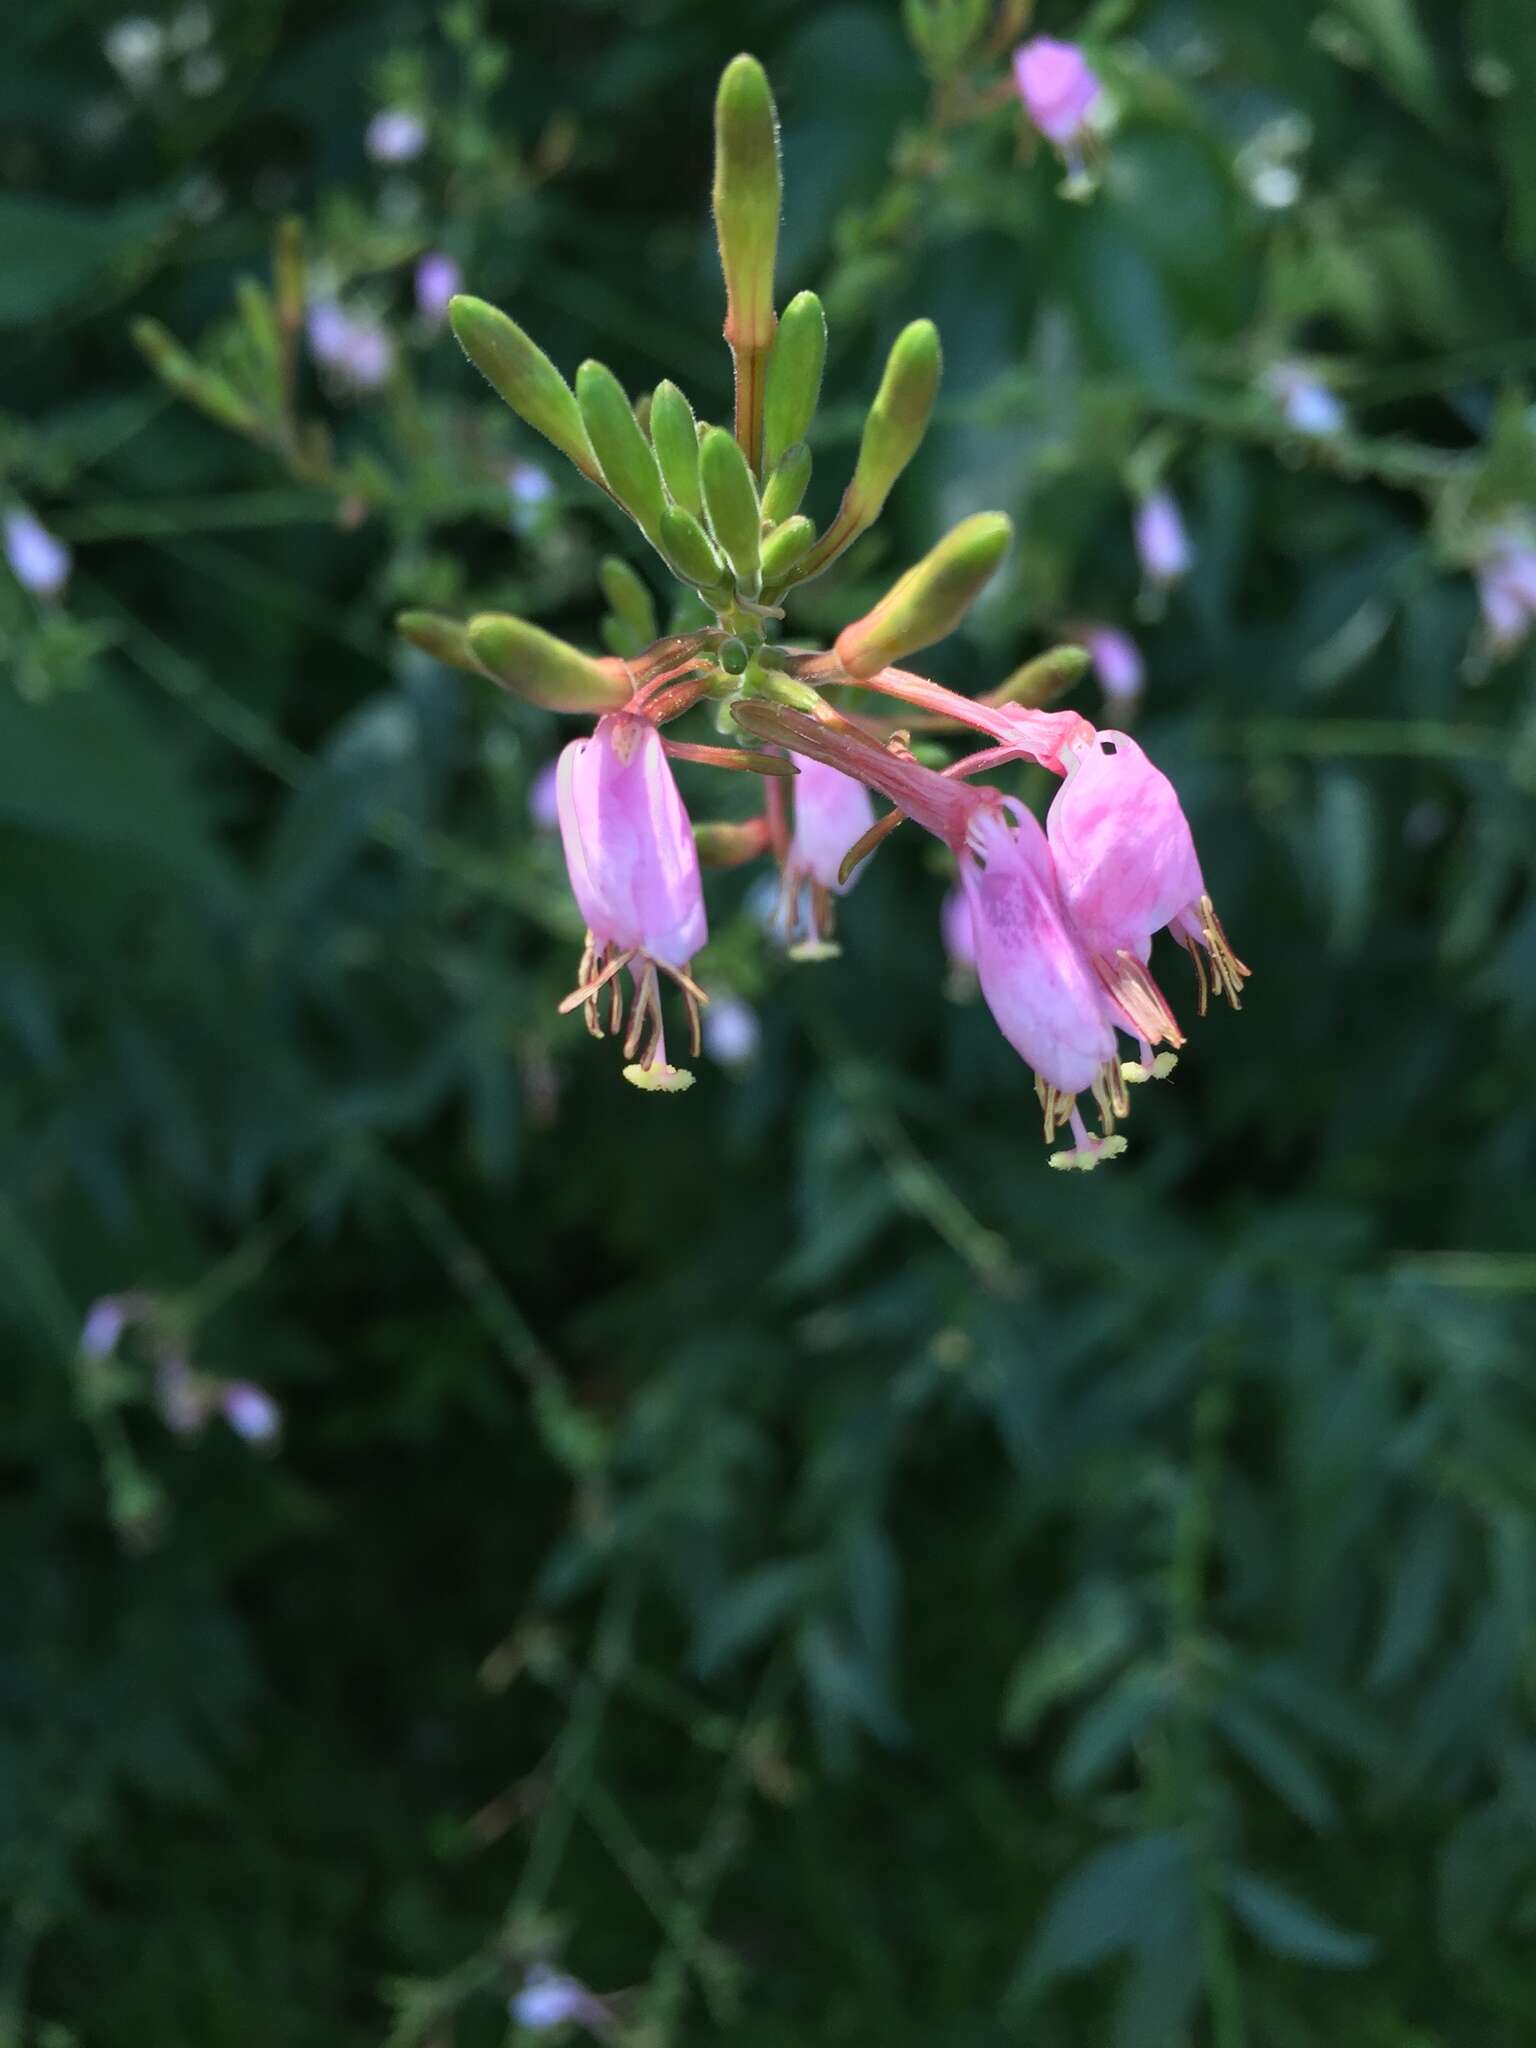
(588, 990)
(1227, 971)
(1138, 995)
(1193, 950)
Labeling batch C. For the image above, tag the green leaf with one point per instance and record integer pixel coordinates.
(1101, 1910)
(1080, 1646)
(1499, 33)
(1292, 1928)
(1269, 1751)
(55, 253)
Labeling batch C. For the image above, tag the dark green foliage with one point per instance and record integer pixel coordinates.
(779, 1550)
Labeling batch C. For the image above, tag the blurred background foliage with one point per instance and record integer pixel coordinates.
(779, 1553)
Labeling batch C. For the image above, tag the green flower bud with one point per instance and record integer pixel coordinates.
(784, 546)
(730, 496)
(626, 458)
(675, 437)
(629, 600)
(794, 376)
(895, 426)
(525, 377)
(536, 666)
(1044, 679)
(689, 549)
(443, 638)
(746, 196)
(930, 600)
(786, 488)
(734, 656)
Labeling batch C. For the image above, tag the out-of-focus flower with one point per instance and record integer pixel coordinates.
(1117, 663)
(529, 490)
(634, 872)
(250, 1411)
(135, 48)
(359, 354)
(1057, 88)
(832, 813)
(732, 1032)
(1506, 591)
(543, 797)
(105, 1322)
(1309, 406)
(395, 136)
(547, 1998)
(438, 279)
(956, 929)
(38, 559)
(184, 1398)
(1162, 540)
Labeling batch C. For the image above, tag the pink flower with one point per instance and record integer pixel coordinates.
(1127, 865)
(634, 871)
(832, 813)
(1310, 408)
(1036, 978)
(38, 559)
(359, 354)
(1057, 88)
(438, 279)
(543, 797)
(1506, 592)
(1162, 540)
(732, 1033)
(548, 1998)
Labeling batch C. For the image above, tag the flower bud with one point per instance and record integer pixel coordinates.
(785, 545)
(895, 426)
(746, 196)
(675, 437)
(930, 600)
(628, 599)
(730, 496)
(524, 376)
(1162, 541)
(627, 459)
(689, 550)
(786, 486)
(536, 666)
(38, 559)
(795, 365)
(443, 638)
(1042, 680)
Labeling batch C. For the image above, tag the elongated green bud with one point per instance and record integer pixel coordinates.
(689, 549)
(730, 497)
(899, 417)
(786, 488)
(288, 273)
(793, 386)
(627, 459)
(930, 600)
(784, 546)
(444, 638)
(536, 666)
(524, 376)
(1044, 679)
(746, 196)
(675, 437)
(629, 600)
(897, 421)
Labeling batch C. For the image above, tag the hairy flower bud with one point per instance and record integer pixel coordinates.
(524, 376)
(536, 666)
(930, 600)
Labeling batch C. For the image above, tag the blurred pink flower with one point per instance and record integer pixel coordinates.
(1506, 592)
(1057, 88)
(438, 279)
(1117, 663)
(832, 812)
(1162, 541)
(395, 136)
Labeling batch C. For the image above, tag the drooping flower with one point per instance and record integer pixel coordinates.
(634, 871)
(438, 279)
(1309, 406)
(395, 135)
(1127, 865)
(1162, 540)
(1506, 591)
(833, 811)
(1057, 87)
(1036, 978)
(38, 559)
